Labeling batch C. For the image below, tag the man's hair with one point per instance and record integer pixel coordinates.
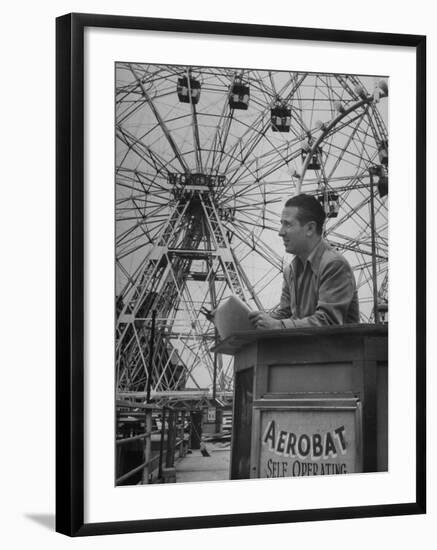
(309, 209)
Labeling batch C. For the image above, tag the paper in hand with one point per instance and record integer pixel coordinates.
(232, 316)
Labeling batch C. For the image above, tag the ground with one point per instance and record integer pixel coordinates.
(195, 467)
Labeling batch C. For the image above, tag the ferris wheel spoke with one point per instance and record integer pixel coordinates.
(148, 181)
(144, 152)
(345, 243)
(217, 139)
(366, 271)
(124, 115)
(189, 368)
(130, 185)
(281, 162)
(261, 206)
(382, 224)
(247, 160)
(341, 126)
(138, 225)
(365, 135)
(194, 356)
(254, 222)
(254, 202)
(368, 155)
(243, 155)
(344, 150)
(347, 86)
(221, 137)
(358, 217)
(162, 124)
(296, 114)
(122, 239)
(196, 138)
(153, 218)
(258, 174)
(260, 248)
(296, 81)
(233, 158)
(353, 160)
(124, 272)
(256, 207)
(127, 252)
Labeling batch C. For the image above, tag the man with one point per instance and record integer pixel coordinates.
(319, 286)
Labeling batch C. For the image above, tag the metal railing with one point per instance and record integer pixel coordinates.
(170, 436)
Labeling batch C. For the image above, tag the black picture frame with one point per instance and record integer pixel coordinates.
(70, 273)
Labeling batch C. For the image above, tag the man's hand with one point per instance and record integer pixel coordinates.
(208, 314)
(259, 319)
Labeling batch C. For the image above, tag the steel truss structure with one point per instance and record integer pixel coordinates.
(205, 158)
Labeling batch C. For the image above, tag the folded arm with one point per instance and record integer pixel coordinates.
(336, 292)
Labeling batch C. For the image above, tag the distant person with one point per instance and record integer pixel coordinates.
(319, 286)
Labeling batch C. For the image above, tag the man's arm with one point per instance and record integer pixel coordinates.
(271, 320)
(283, 310)
(336, 291)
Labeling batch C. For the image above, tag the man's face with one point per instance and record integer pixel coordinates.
(293, 234)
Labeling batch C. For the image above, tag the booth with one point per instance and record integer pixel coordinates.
(310, 401)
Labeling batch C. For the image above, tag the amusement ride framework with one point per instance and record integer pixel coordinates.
(205, 158)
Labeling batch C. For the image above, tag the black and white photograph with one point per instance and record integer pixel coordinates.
(251, 273)
(218, 314)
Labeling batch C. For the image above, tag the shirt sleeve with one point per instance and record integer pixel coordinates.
(283, 310)
(336, 292)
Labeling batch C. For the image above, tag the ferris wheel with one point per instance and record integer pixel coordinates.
(205, 159)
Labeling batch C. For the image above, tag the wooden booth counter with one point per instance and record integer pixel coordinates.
(310, 401)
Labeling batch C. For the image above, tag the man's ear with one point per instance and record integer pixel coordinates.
(312, 228)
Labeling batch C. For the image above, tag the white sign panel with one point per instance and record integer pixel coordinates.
(308, 443)
(211, 414)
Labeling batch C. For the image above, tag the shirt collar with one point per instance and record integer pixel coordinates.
(315, 256)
